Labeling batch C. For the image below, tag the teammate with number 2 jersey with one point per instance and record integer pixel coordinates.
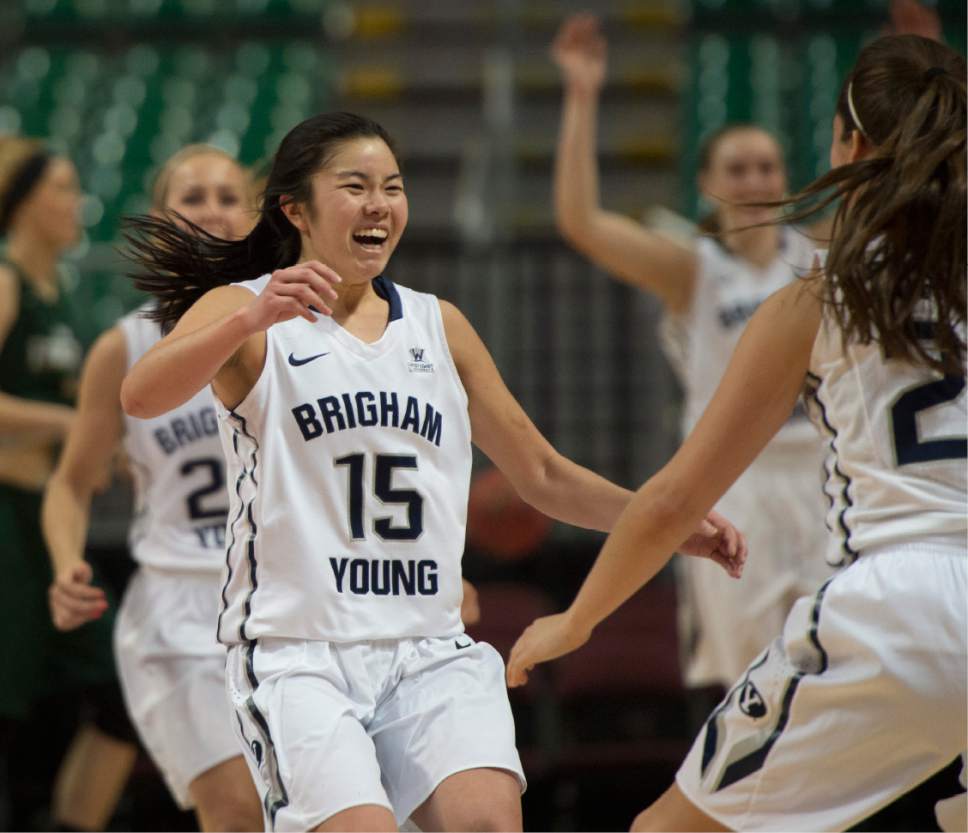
(862, 695)
(170, 664)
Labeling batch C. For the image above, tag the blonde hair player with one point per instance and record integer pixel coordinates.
(171, 667)
(863, 695)
(347, 405)
(709, 289)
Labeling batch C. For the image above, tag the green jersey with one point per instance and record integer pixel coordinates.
(41, 357)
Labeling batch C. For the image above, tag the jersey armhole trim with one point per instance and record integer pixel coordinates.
(438, 319)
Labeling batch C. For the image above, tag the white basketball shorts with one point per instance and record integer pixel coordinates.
(328, 726)
(172, 673)
(860, 699)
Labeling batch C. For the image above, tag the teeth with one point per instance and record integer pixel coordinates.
(373, 232)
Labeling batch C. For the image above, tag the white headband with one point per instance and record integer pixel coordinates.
(853, 110)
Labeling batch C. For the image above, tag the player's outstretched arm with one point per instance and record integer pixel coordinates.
(221, 340)
(544, 478)
(615, 242)
(84, 467)
(753, 401)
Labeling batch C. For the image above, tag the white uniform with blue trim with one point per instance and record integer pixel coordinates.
(863, 696)
(353, 460)
(724, 623)
(348, 468)
(170, 664)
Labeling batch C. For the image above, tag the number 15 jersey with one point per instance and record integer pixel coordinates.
(348, 471)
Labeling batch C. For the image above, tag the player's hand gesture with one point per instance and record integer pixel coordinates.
(72, 599)
(580, 51)
(301, 290)
(719, 540)
(544, 639)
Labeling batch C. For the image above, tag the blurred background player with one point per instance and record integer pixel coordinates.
(171, 666)
(709, 290)
(39, 360)
(863, 694)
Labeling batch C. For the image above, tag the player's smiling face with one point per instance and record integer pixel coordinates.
(211, 191)
(359, 210)
(746, 167)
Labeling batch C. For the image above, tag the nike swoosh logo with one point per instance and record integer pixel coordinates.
(297, 362)
(458, 646)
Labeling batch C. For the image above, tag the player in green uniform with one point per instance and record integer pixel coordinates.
(39, 363)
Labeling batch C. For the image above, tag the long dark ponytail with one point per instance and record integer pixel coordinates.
(179, 262)
(898, 239)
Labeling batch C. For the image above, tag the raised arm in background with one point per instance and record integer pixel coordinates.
(617, 243)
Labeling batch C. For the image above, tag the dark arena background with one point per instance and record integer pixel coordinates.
(468, 90)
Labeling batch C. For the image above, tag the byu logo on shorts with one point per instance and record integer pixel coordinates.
(751, 702)
(418, 365)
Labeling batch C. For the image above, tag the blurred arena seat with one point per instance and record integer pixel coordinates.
(507, 608)
(621, 703)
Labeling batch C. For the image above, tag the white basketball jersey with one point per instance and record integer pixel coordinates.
(179, 474)
(348, 468)
(728, 290)
(897, 447)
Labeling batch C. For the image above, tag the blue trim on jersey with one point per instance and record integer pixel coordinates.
(852, 554)
(231, 542)
(388, 292)
(253, 531)
(276, 797)
(754, 761)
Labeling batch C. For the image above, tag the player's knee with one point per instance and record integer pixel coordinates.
(234, 813)
(229, 807)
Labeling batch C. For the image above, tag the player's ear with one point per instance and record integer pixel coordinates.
(860, 146)
(295, 213)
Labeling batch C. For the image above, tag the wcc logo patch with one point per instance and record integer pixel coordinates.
(751, 701)
(417, 363)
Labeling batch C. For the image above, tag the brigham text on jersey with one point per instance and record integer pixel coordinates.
(365, 409)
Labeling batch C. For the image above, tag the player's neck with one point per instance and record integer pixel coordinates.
(758, 245)
(37, 260)
(359, 310)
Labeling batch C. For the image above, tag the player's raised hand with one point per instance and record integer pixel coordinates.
(72, 599)
(302, 290)
(580, 51)
(719, 540)
(544, 639)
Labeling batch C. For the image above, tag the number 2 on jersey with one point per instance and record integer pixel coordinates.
(214, 484)
(908, 447)
(383, 489)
